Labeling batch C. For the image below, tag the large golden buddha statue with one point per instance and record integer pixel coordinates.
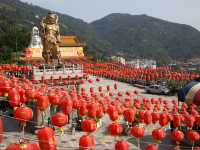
(50, 38)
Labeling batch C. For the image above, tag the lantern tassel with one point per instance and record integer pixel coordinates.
(62, 131)
(23, 125)
(138, 143)
(192, 145)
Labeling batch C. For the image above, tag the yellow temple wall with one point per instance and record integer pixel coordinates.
(66, 52)
(36, 53)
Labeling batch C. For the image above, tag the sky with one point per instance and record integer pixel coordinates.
(179, 11)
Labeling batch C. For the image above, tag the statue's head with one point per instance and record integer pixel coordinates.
(52, 17)
(35, 31)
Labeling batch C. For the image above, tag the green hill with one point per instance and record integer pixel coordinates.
(144, 36)
(116, 34)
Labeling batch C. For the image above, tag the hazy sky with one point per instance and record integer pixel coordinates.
(180, 11)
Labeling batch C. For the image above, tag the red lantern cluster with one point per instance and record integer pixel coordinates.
(23, 114)
(137, 131)
(42, 102)
(59, 119)
(88, 125)
(158, 134)
(86, 142)
(115, 129)
(46, 139)
(122, 145)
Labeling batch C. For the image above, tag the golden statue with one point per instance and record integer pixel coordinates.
(50, 38)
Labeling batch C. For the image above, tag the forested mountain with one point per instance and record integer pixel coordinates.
(141, 35)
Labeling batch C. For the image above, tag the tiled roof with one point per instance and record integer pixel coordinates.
(70, 41)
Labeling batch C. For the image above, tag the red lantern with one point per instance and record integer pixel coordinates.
(196, 148)
(115, 129)
(108, 88)
(54, 99)
(30, 93)
(5, 86)
(59, 119)
(66, 106)
(151, 147)
(46, 139)
(17, 147)
(127, 93)
(129, 115)
(13, 147)
(83, 110)
(141, 116)
(26, 146)
(193, 136)
(189, 120)
(23, 98)
(51, 78)
(97, 79)
(177, 135)
(100, 88)
(91, 90)
(114, 115)
(137, 131)
(34, 146)
(147, 118)
(14, 97)
(42, 103)
(177, 120)
(158, 134)
(111, 94)
(76, 104)
(99, 113)
(197, 120)
(155, 116)
(164, 120)
(88, 125)
(86, 142)
(121, 145)
(23, 114)
(115, 86)
(92, 110)
(90, 81)
(119, 94)
(137, 103)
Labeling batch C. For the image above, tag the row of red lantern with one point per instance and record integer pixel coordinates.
(16, 98)
(13, 67)
(134, 73)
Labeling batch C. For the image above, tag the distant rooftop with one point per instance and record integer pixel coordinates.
(70, 41)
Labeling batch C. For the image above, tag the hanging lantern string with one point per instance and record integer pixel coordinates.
(91, 103)
(6, 116)
(60, 146)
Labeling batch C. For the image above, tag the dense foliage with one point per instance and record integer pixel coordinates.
(117, 34)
